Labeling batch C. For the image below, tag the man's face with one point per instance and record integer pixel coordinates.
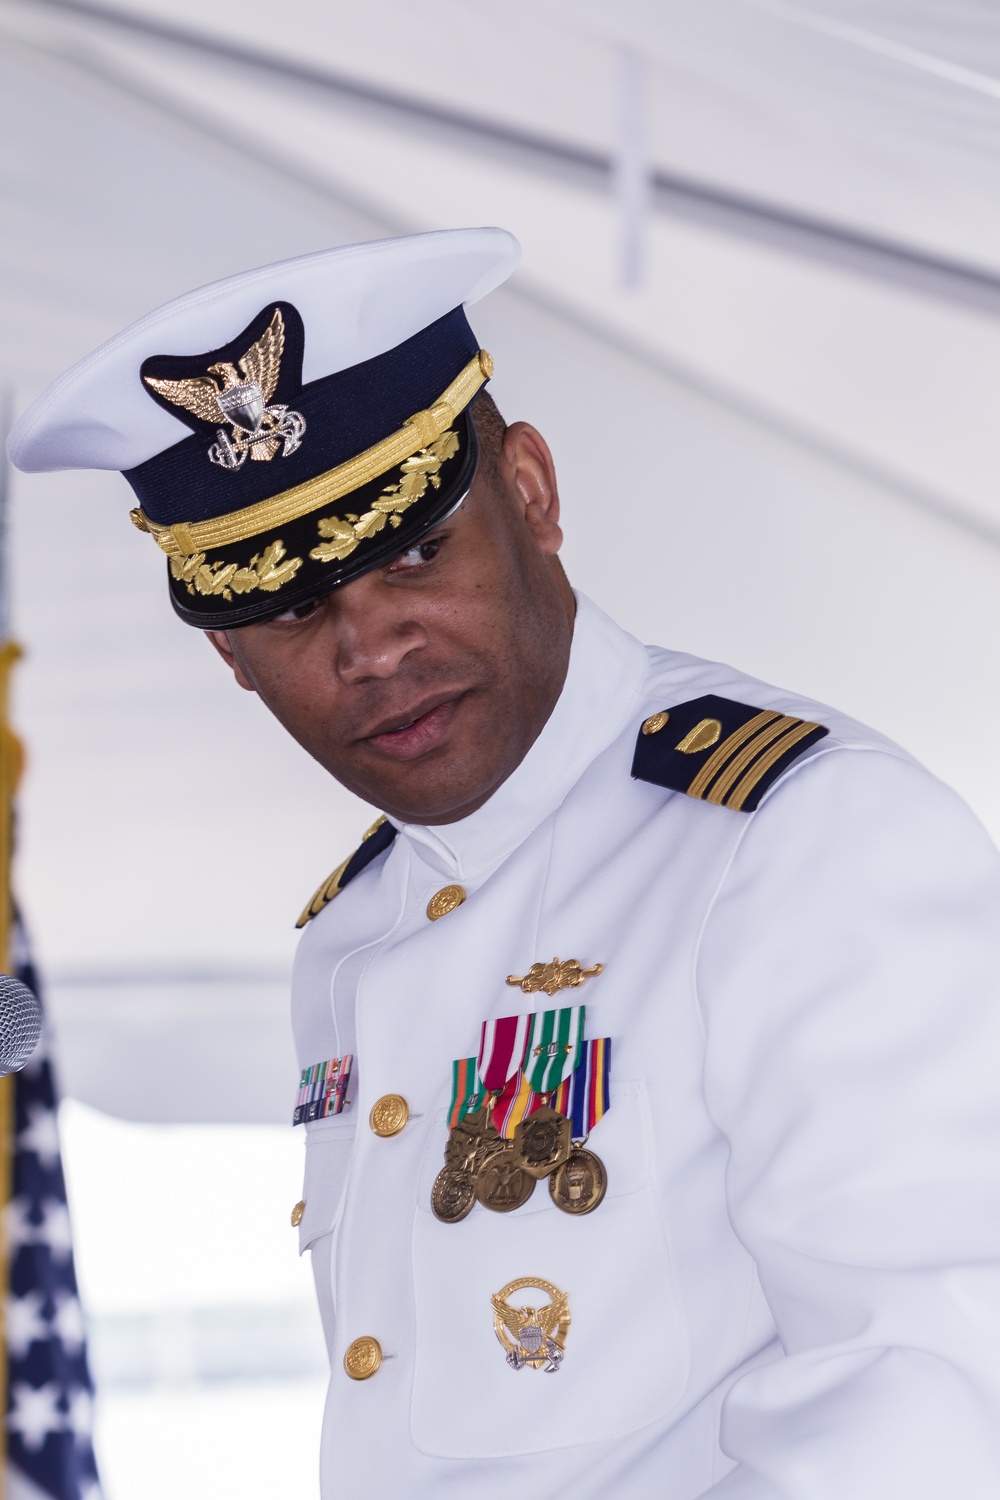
(422, 685)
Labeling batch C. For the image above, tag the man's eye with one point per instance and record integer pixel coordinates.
(297, 612)
(423, 552)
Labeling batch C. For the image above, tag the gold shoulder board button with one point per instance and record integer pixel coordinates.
(655, 722)
(363, 1358)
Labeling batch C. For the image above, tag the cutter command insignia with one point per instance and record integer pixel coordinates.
(723, 752)
(378, 838)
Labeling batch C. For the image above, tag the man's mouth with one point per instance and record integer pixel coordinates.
(406, 735)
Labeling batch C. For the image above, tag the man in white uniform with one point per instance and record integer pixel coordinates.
(651, 1048)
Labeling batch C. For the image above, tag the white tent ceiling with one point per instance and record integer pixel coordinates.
(787, 431)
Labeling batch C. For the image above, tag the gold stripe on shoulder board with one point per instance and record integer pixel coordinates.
(739, 764)
(761, 767)
(331, 885)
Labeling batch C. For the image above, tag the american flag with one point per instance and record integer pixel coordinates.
(49, 1390)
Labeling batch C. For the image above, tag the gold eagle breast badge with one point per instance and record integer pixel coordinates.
(532, 1336)
(255, 427)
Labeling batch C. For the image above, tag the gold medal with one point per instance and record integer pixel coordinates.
(452, 1196)
(543, 1141)
(501, 1182)
(579, 1184)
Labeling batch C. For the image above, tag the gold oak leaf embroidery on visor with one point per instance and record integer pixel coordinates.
(266, 571)
(269, 569)
(416, 473)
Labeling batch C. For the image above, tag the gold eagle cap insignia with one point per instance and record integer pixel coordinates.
(532, 1336)
(241, 398)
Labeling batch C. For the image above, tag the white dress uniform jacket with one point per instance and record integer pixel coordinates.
(792, 1289)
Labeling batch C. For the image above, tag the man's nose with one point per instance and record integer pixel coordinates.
(373, 633)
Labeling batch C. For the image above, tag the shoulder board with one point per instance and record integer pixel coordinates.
(720, 751)
(378, 838)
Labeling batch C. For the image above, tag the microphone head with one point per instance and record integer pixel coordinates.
(20, 1024)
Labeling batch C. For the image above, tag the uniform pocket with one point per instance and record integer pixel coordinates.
(625, 1360)
(329, 1144)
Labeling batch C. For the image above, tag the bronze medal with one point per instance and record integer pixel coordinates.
(543, 1141)
(452, 1196)
(471, 1142)
(579, 1184)
(502, 1184)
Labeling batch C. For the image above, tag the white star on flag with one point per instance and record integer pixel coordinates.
(55, 1230)
(18, 1228)
(24, 1323)
(68, 1323)
(41, 1135)
(81, 1415)
(35, 1414)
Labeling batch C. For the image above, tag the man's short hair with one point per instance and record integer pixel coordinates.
(490, 430)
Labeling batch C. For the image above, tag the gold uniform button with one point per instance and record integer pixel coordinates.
(363, 1358)
(389, 1114)
(445, 901)
(655, 722)
(297, 1213)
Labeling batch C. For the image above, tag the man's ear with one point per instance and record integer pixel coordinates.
(530, 469)
(220, 640)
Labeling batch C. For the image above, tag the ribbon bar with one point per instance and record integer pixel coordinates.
(323, 1089)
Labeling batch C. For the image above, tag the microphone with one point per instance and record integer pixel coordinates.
(20, 1024)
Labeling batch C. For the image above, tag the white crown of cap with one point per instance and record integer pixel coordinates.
(356, 301)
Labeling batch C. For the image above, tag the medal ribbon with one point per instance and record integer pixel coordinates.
(323, 1089)
(501, 1051)
(515, 1104)
(585, 1097)
(554, 1047)
(467, 1093)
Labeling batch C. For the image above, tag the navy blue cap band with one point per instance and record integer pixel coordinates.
(344, 413)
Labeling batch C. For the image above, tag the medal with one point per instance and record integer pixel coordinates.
(502, 1184)
(452, 1195)
(543, 1141)
(472, 1138)
(578, 1185)
(543, 1137)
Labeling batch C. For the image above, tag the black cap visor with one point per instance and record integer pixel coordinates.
(267, 574)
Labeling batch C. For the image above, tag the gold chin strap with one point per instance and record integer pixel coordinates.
(186, 538)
